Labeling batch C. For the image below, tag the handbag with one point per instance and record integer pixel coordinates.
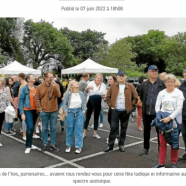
(62, 115)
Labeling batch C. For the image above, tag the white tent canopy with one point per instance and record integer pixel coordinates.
(16, 68)
(89, 66)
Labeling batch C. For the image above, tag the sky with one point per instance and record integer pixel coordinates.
(117, 28)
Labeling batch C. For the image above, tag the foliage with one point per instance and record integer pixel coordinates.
(84, 43)
(120, 55)
(43, 42)
(149, 48)
(9, 44)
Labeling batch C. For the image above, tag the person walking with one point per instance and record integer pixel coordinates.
(46, 97)
(27, 108)
(4, 102)
(96, 91)
(121, 97)
(148, 95)
(169, 100)
(74, 107)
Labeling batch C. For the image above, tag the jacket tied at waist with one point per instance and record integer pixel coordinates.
(170, 130)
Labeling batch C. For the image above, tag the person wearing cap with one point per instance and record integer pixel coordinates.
(148, 95)
(121, 98)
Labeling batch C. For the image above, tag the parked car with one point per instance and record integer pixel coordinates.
(134, 81)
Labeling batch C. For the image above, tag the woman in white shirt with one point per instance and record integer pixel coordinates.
(74, 106)
(169, 100)
(96, 91)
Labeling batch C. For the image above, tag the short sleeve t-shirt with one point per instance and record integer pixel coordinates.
(32, 101)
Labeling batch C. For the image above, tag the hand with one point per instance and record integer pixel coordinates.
(84, 114)
(112, 108)
(166, 120)
(23, 117)
(91, 87)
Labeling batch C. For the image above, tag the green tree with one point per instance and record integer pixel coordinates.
(176, 55)
(43, 42)
(150, 48)
(120, 55)
(84, 43)
(2, 58)
(9, 44)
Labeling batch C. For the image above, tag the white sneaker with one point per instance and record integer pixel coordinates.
(84, 135)
(96, 136)
(24, 138)
(91, 126)
(36, 136)
(33, 147)
(37, 130)
(78, 151)
(27, 150)
(101, 125)
(68, 149)
(116, 141)
(1, 144)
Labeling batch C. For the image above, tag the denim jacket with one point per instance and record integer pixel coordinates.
(67, 100)
(24, 100)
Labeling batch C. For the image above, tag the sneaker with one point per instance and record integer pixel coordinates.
(182, 158)
(144, 151)
(84, 135)
(173, 165)
(101, 125)
(1, 144)
(54, 148)
(159, 166)
(24, 138)
(33, 147)
(45, 147)
(96, 136)
(10, 133)
(68, 149)
(36, 136)
(116, 141)
(27, 150)
(37, 130)
(78, 151)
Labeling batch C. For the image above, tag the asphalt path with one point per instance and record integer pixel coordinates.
(92, 156)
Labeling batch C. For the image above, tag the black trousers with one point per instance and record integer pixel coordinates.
(117, 116)
(184, 132)
(147, 119)
(94, 104)
(2, 117)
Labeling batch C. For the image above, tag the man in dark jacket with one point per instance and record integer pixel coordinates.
(148, 95)
(183, 89)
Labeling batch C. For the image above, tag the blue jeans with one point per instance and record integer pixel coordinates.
(8, 126)
(61, 122)
(31, 117)
(74, 122)
(101, 116)
(51, 119)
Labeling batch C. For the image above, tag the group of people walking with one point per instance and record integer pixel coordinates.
(159, 103)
